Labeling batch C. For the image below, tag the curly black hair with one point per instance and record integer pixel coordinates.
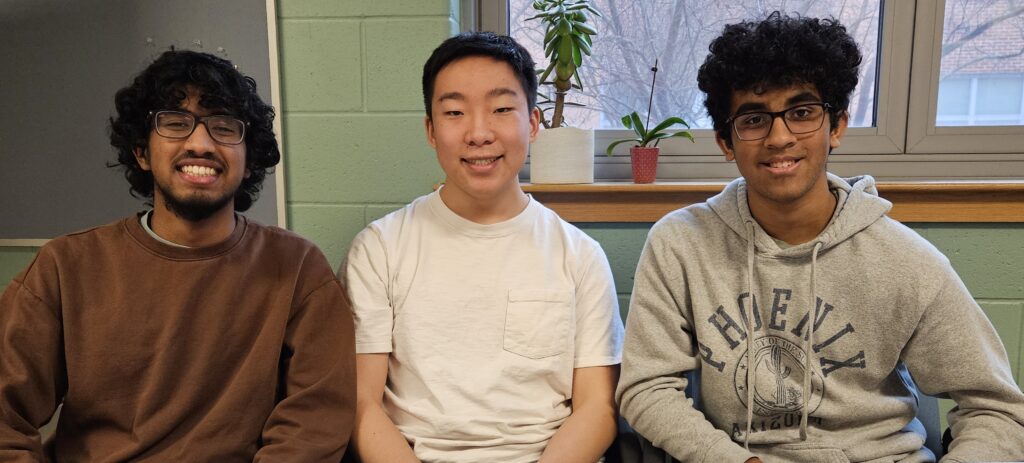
(778, 52)
(499, 47)
(163, 85)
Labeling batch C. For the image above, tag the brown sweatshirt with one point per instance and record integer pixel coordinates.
(242, 351)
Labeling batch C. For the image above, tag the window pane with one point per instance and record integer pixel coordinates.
(954, 102)
(633, 33)
(981, 44)
(999, 95)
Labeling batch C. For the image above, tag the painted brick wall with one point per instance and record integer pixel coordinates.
(353, 110)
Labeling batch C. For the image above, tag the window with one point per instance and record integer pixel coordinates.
(941, 93)
(981, 76)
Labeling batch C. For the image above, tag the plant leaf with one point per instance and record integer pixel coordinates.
(550, 34)
(547, 72)
(638, 127)
(585, 28)
(565, 51)
(668, 123)
(627, 121)
(549, 50)
(615, 143)
(684, 134)
(584, 46)
(577, 57)
(564, 27)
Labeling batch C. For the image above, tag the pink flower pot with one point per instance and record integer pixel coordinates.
(645, 163)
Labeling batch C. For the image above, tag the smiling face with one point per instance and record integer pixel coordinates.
(782, 170)
(481, 128)
(195, 177)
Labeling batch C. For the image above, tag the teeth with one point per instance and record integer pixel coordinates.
(481, 162)
(781, 164)
(199, 171)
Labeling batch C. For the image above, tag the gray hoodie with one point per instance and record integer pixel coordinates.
(888, 306)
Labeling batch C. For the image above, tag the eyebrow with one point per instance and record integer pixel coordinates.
(500, 91)
(803, 97)
(451, 96)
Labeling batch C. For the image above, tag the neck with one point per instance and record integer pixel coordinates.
(207, 232)
(795, 222)
(488, 210)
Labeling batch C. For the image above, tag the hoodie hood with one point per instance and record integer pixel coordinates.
(859, 207)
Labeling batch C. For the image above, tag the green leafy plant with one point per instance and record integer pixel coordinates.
(644, 137)
(657, 133)
(567, 38)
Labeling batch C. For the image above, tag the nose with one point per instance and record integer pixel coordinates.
(200, 140)
(479, 132)
(779, 135)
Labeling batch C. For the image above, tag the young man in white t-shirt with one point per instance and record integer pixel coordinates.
(487, 327)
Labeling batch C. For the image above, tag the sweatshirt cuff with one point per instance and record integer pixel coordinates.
(725, 450)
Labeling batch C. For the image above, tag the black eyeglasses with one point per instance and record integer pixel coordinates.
(804, 118)
(179, 125)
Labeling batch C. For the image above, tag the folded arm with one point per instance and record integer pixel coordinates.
(659, 348)
(375, 438)
(956, 353)
(313, 420)
(32, 379)
(591, 427)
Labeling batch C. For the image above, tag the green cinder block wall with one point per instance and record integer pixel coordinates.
(355, 148)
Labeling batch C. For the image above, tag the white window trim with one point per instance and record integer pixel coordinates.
(905, 144)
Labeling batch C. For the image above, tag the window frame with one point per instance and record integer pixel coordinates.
(904, 144)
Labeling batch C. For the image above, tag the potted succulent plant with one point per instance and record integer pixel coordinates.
(644, 153)
(563, 154)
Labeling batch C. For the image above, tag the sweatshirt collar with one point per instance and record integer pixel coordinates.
(858, 207)
(524, 219)
(133, 226)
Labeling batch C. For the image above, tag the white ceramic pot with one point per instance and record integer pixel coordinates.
(562, 155)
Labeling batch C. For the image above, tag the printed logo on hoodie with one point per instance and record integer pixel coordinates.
(779, 362)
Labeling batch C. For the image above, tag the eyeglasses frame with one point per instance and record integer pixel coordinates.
(779, 114)
(197, 120)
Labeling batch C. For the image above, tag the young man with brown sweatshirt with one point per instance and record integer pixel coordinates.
(188, 332)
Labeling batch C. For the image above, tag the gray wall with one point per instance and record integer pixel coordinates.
(63, 60)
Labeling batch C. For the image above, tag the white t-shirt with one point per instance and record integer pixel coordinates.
(484, 323)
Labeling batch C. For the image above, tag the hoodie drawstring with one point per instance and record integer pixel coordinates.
(812, 318)
(807, 342)
(750, 334)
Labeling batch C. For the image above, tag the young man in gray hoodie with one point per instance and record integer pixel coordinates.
(726, 288)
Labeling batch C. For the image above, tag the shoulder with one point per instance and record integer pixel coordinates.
(285, 251)
(272, 238)
(402, 219)
(893, 238)
(693, 222)
(552, 226)
(83, 245)
(72, 254)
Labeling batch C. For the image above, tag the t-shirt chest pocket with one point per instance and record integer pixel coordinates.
(537, 322)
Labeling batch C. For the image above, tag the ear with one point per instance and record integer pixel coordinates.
(428, 124)
(140, 157)
(534, 123)
(839, 130)
(723, 145)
